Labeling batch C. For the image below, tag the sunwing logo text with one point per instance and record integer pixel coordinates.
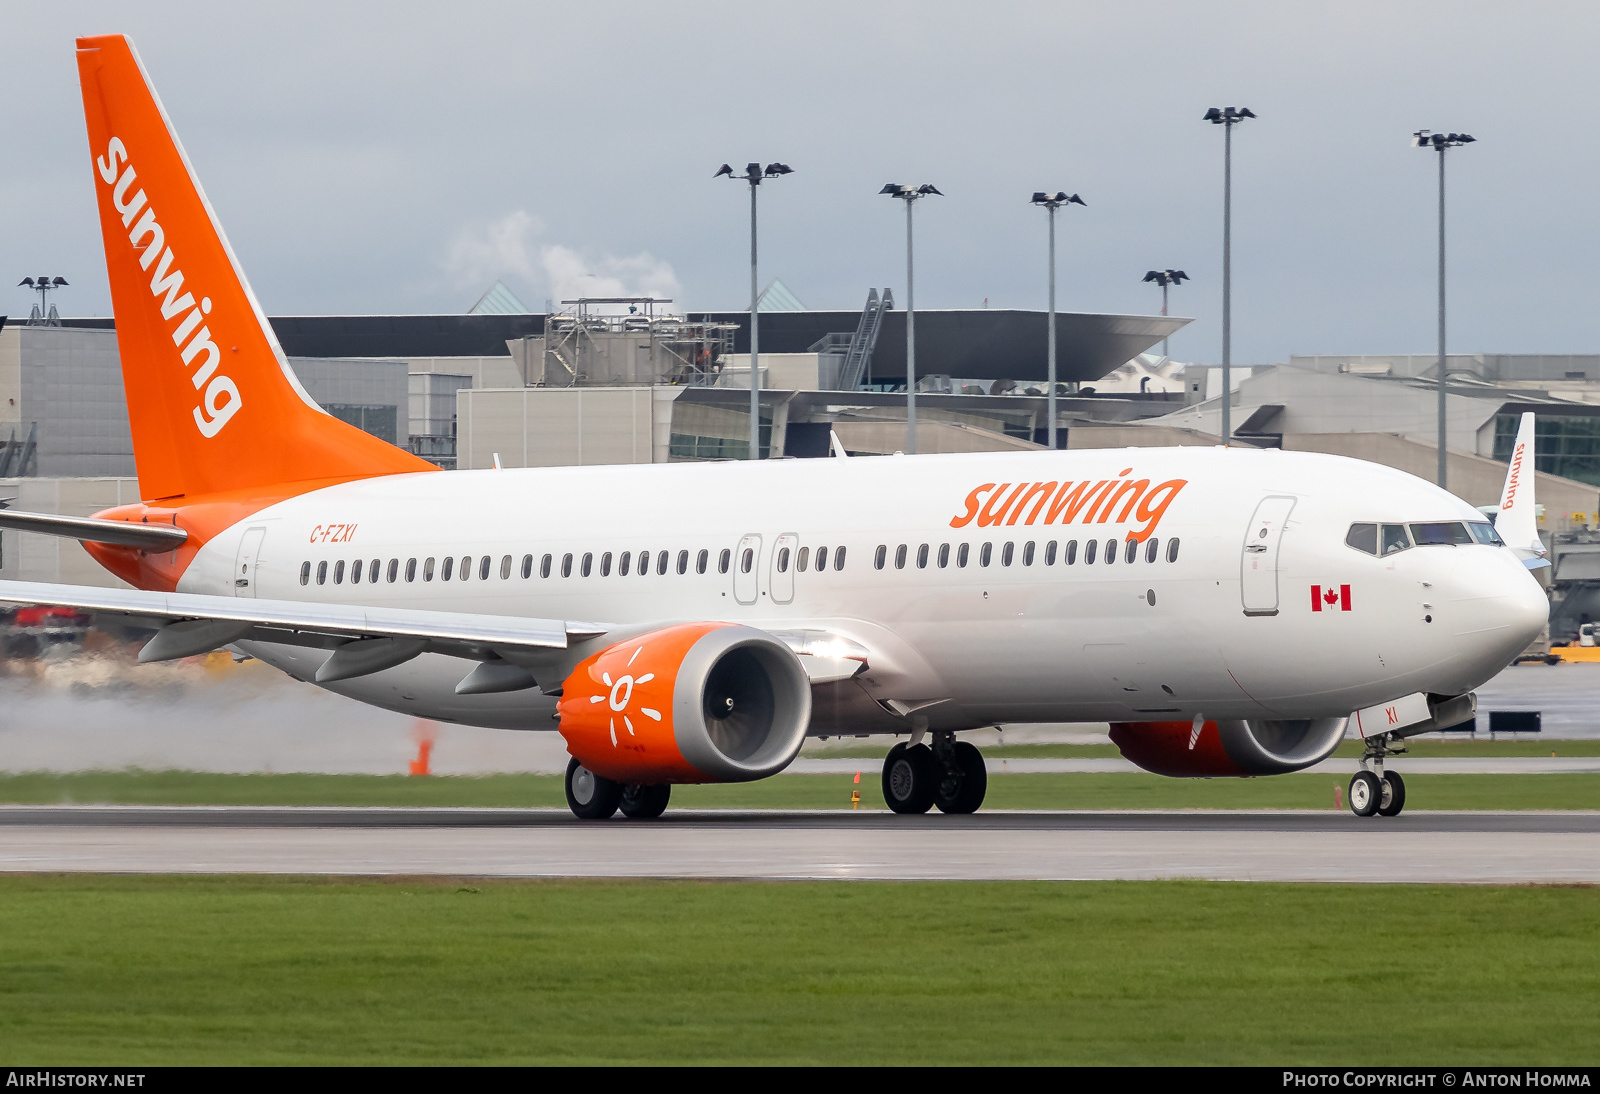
(1086, 502)
(220, 399)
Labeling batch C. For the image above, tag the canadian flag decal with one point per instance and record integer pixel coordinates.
(1330, 598)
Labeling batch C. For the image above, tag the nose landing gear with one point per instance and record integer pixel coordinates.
(1378, 792)
(950, 775)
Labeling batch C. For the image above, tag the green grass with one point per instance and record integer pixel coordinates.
(1067, 791)
(136, 971)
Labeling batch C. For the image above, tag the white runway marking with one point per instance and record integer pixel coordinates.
(1420, 847)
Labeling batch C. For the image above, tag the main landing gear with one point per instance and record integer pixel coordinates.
(595, 797)
(1376, 792)
(950, 775)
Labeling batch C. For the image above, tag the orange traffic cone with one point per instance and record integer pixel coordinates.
(425, 732)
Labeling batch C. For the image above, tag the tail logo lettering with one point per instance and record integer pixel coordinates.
(218, 395)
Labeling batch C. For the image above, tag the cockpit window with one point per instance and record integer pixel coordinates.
(1485, 533)
(1440, 534)
(1394, 538)
(1363, 537)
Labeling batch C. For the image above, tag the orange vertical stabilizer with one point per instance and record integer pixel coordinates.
(213, 404)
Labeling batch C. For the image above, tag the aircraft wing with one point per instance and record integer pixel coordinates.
(192, 623)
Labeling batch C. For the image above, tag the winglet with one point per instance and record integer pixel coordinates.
(1518, 522)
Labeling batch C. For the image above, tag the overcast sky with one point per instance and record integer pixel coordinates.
(397, 158)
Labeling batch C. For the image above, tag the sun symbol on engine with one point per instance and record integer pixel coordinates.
(622, 694)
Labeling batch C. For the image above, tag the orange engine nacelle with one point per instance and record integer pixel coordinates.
(693, 703)
(1235, 747)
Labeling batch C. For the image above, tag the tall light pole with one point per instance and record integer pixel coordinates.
(910, 195)
(1439, 142)
(1052, 202)
(1227, 117)
(753, 174)
(1166, 278)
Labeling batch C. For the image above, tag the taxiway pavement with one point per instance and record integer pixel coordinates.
(1450, 847)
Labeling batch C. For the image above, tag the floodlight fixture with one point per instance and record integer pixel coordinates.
(910, 195)
(1227, 117)
(1440, 143)
(1052, 202)
(1166, 279)
(753, 174)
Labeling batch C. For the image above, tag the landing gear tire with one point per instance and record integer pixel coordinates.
(1365, 794)
(965, 780)
(1392, 797)
(591, 796)
(642, 802)
(910, 779)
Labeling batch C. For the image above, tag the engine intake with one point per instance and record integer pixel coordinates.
(1234, 747)
(693, 703)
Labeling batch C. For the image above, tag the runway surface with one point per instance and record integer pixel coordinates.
(1472, 847)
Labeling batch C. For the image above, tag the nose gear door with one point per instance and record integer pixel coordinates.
(1258, 566)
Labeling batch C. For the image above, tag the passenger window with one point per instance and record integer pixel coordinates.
(1089, 549)
(623, 563)
(566, 564)
(661, 562)
(922, 557)
(605, 564)
(1483, 533)
(1072, 553)
(986, 554)
(723, 559)
(962, 554)
(701, 560)
(801, 558)
(900, 557)
(747, 560)
(305, 573)
(1442, 534)
(411, 570)
(1132, 552)
(944, 555)
(1172, 549)
(338, 572)
(1027, 553)
(683, 562)
(464, 571)
(1152, 549)
(394, 569)
(880, 557)
(355, 572)
(544, 566)
(783, 560)
(427, 570)
(1363, 537)
(483, 567)
(1111, 551)
(527, 567)
(588, 562)
(838, 558)
(374, 569)
(322, 573)
(1050, 553)
(1006, 553)
(505, 568)
(822, 559)
(1394, 538)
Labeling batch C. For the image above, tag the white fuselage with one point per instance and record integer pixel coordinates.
(966, 645)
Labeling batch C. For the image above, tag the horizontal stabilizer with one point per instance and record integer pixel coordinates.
(123, 533)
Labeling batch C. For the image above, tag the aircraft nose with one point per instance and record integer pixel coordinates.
(1495, 608)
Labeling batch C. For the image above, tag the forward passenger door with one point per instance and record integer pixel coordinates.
(1258, 566)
